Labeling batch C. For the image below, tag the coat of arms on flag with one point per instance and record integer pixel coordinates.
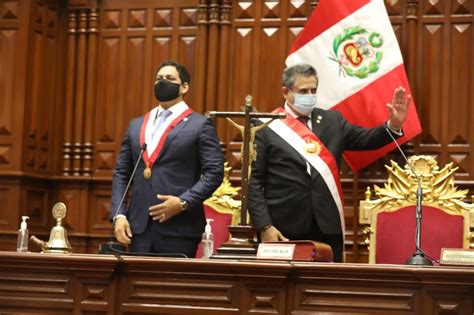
(353, 47)
(357, 52)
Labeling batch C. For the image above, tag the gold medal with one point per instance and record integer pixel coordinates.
(312, 147)
(147, 172)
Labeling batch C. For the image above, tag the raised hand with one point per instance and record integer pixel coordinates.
(398, 109)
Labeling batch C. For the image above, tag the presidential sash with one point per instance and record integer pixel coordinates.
(150, 160)
(311, 148)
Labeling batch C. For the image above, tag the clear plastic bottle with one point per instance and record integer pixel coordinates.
(207, 241)
(22, 243)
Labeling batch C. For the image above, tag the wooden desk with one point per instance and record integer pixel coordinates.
(91, 284)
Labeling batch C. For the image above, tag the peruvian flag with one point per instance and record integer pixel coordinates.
(354, 49)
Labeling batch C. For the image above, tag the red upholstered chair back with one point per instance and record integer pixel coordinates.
(395, 233)
(224, 208)
(388, 212)
(219, 227)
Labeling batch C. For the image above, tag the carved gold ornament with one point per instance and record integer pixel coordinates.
(438, 187)
(222, 200)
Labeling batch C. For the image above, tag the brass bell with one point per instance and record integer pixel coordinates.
(58, 242)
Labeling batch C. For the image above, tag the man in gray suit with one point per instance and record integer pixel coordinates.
(181, 167)
(295, 191)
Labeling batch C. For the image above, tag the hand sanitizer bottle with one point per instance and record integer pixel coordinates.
(207, 241)
(22, 243)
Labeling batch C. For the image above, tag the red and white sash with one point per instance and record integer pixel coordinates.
(298, 136)
(149, 160)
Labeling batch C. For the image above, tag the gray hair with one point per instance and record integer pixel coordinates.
(302, 69)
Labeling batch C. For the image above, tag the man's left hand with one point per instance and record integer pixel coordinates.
(399, 108)
(164, 211)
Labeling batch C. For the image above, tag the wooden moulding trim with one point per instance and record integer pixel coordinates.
(29, 175)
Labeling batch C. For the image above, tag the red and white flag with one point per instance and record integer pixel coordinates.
(354, 49)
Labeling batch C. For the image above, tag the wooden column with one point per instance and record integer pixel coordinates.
(69, 102)
(80, 92)
(201, 49)
(212, 57)
(412, 20)
(79, 96)
(93, 33)
(224, 62)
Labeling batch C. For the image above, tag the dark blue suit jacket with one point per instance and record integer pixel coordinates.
(190, 166)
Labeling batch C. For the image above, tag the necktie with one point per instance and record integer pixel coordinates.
(163, 115)
(303, 120)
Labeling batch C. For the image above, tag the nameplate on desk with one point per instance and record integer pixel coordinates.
(275, 251)
(457, 256)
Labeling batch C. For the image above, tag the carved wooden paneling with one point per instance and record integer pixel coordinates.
(9, 194)
(77, 284)
(8, 38)
(342, 297)
(264, 298)
(42, 85)
(461, 68)
(34, 200)
(49, 287)
(157, 291)
(134, 40)
(75, 197)
(456, 301)
(262, 35)
(445, 57)
(12, 81)
(34, 286)
(98, 210)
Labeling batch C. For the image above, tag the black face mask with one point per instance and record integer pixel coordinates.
(166, 91)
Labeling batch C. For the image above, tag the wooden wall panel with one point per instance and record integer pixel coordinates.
(242, 76)
(446, 65)
(75, 196)
(41, 86)
(262, 35)
(9, 193)
(459, 136)
(8, 40)
(98, 210)
(28, 84)
(134, 40)
(35, 198)
(13, 24)
(430, 90)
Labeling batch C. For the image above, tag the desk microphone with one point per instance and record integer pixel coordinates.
(113, 247)
(418, 257)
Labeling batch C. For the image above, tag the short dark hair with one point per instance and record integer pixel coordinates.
(302, 69)
(182, 72)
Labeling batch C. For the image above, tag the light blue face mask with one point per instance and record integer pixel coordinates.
(304, 103)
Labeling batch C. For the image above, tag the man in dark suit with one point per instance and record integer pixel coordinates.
(181, 167)
(295, 190)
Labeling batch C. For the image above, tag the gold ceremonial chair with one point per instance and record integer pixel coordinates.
(224, 209)
(390, 216)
